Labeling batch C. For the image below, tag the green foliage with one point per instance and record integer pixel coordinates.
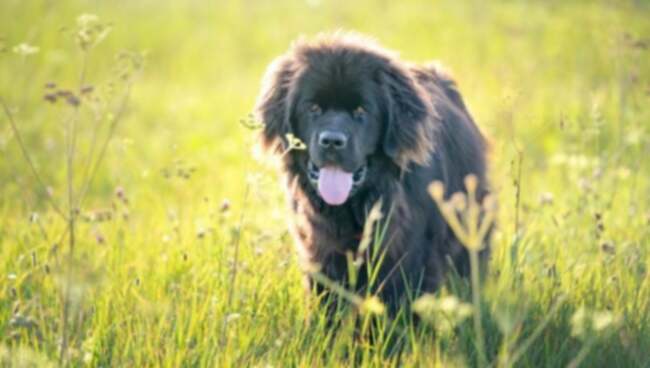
(173, 208)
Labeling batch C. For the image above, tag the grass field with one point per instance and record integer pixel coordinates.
(181, 255)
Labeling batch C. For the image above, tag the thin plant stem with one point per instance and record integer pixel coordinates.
(71, 141)
(233, 274)
(471, 232)
(520, 159)
(582, 354)
(476, 300)
(337, 288)
(93, 147)
(538, 331)
(27, 157)
(91, 170)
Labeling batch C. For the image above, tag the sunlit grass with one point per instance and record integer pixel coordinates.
(179, 209)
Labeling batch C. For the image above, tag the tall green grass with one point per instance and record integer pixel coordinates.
(181, 254)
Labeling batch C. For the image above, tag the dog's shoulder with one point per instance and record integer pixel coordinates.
(439, 80)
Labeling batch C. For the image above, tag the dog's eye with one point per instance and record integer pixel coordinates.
(359, 112)
(315, 109)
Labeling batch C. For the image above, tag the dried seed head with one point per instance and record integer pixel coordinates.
(99, 215)
(471, 182)
(294, 142)
(250, 122)
(372, 305)
(225, 206)
(489, 203)
(458, 201)
(73, 100)
(597, 173)
(437, 190)
(608, 247)
(232, 317)
(86, 90)
(200, 233)
(50, 97)
(546, 198)
(585, 185)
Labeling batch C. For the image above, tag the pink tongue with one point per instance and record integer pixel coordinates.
(334, 185)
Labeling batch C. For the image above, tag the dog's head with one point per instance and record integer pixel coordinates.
(348, 101)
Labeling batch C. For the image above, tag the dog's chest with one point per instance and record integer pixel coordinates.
(323, 233)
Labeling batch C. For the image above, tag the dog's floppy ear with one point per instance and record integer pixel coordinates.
(408, 135)
(273, 105)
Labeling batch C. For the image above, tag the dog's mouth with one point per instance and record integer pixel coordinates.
(334, 184)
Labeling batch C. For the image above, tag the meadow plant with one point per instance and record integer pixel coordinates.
(104, 106)
(471, 221)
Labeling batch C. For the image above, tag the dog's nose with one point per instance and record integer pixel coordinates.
(330, 139)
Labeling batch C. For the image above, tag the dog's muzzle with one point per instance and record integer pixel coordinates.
(358, 177)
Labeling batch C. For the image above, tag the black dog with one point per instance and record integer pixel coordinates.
(376, 128)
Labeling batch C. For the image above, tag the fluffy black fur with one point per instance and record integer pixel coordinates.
(406, 123)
